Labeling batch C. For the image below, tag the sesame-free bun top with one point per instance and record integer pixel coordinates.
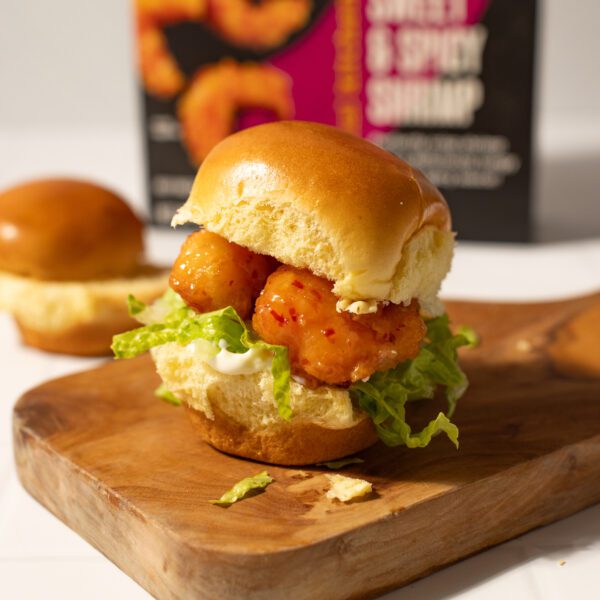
(316, 197)
(67, 230)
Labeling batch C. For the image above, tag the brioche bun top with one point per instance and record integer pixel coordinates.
(67, 230)
(316, 197)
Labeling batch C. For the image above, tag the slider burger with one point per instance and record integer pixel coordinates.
(304, 316)
(70, 251)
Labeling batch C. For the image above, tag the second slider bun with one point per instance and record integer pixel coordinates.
(70, 253)
(68, 230)
(315, 197)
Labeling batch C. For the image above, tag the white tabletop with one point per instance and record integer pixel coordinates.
(40, 558)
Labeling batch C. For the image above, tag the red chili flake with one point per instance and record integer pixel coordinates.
(298, 284)
(328, 332)
(279, 318)
(392, 338)
(293, 314)
(231, 283)
(316, 294)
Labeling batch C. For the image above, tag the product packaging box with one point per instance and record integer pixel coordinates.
(446, 85)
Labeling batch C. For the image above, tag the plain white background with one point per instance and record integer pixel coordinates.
(66, 68)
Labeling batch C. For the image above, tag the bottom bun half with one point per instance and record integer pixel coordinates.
(91, 338)
(76, 317)
(238, 414)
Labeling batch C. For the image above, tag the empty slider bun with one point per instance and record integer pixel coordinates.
(70, 253)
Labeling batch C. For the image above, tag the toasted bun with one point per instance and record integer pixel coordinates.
(316, 197)
(238, 414)
(294, 444)
(91, 338)
(67, 230)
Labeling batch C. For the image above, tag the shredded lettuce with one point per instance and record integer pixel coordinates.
(163, 309)
(164, 394)
(136, 307)
(169, 319)
(242, 488)
(385, 395)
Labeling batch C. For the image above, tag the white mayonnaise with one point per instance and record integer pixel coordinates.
(358, 307)
(231, 363)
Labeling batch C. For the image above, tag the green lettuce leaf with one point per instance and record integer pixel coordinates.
(170, 306)
(242, 488)
(385, 395)
(135, 306)
(169, 319)
(164, 394)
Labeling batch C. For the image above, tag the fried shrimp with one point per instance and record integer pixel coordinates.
(212, 273)
(258, 25)
(297, 309)
(208, 109)
(160, 73)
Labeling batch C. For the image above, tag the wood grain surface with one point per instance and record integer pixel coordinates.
(126, 471)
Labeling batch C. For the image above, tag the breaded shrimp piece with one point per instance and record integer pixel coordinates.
(211, 273)
(297, 309)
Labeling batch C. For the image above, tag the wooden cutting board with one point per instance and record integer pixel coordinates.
(126, 471)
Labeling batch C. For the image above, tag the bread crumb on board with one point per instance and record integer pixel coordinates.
(523, 345)
(347, 488)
